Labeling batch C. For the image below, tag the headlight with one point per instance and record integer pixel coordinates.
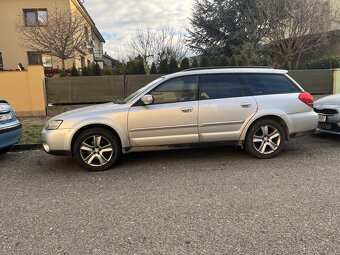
(53, 125)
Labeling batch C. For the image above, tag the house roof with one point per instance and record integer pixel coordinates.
(95, 29)
(109, 57)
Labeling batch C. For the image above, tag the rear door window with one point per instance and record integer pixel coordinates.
(266, 84)
(215, 86)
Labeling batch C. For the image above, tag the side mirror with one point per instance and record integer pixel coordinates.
(147, 99)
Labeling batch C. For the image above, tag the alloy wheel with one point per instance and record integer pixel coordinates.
(266, 139)
(96, 151)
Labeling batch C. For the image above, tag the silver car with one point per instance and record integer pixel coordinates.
(328, 109)
(256, 108)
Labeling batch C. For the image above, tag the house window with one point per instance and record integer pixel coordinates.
(34, 58)
(35, 17)
(47, 61)
(37, 58)
(1, 63)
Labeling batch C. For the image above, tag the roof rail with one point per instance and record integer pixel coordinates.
(226, 67)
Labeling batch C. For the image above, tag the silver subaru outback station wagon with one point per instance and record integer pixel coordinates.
(258, 109)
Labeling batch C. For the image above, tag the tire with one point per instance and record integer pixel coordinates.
(265, 139)
(97, 149)
(5, 150)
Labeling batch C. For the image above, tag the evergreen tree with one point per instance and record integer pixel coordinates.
(221, 26)
(163, 67)
(205, 62)
(223, 61)
(108, 71)
(74, 71)
(153, 68)
(173, 66)
(131, 67)
(184, 64)
(244, 60)
(194, 63)
(140, 67)
(85, 71)
(96, 71)
(233, 61)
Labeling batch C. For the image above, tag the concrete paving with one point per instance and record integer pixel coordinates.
(194, 201)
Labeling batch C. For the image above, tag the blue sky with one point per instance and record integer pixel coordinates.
(117, 19)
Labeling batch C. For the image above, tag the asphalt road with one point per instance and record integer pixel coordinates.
(196, 201)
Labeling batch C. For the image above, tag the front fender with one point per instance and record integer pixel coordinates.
(116, 126)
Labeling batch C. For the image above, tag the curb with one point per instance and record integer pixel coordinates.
(26, 147)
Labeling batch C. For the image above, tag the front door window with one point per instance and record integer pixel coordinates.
(176, 90)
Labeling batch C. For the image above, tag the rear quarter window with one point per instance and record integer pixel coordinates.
(266, 84)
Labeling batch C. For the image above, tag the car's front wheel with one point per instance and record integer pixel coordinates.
(97, 149)
(265, 139)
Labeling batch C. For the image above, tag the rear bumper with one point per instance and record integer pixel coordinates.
(10, 135)
(302, 123)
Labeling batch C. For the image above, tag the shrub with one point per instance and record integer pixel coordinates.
(108, 71)
(194, 63)
(153, 68)
(184, 64)
(163, 67)
(223, 61)
(324, 63)
(74, 71)
(173, 66)
(205, 61)
(85, 71)
(96, 71)
(233, 61)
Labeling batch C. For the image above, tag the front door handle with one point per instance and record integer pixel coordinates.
(187, 109)
(246, 105)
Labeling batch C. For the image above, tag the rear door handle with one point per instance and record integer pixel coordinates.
(246, 105)
(187, 109)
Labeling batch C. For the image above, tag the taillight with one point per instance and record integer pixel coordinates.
(307, 98)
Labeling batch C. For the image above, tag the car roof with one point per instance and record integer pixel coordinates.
(227, 70)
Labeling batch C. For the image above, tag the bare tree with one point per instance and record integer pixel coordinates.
(61, 34)
(296, 27)
(152, 45)
(170, 44)
(142, 43)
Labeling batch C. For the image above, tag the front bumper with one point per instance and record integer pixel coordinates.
(57, 142)
(10, 134)
(331, 126)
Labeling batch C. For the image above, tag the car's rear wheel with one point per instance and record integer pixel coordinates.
(5, 150)
(265, 139)
(97, 149)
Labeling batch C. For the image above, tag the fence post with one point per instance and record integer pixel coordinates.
(336, 81)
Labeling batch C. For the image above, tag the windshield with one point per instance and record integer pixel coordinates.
(135, 94)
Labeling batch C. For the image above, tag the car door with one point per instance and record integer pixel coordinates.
(171, 118)
(224, 108)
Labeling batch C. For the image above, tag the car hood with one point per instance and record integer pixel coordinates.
(95, 110)
(329, 101)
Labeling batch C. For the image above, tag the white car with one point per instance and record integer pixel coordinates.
(256, 108)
